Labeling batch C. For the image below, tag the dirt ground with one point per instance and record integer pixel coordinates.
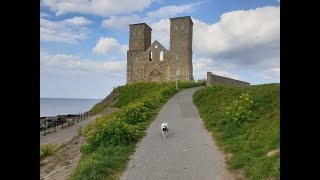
(60, 165)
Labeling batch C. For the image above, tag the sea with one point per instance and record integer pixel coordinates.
(64, 106)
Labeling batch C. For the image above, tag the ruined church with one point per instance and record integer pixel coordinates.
(153, 62)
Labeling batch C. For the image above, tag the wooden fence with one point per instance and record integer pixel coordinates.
(46, 126)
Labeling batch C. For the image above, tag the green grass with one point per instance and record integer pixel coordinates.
(108, 147)
(104, 163)
(47, 150)
(250, 142)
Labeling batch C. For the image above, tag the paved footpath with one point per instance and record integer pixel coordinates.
(66, 134)
(187, 153)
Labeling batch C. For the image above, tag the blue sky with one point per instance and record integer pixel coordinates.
(83, 43)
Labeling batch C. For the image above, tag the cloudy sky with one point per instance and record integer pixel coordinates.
(83, 43)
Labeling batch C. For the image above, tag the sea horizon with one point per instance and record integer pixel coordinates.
(65, 106)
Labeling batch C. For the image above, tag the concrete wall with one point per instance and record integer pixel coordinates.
(224, 81)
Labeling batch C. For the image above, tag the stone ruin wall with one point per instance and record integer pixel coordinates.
(224, 81)
(176, 63)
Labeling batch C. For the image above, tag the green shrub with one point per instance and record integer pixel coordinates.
(240, 111)
(114, 132)
(47, 150)
(103, 163)
(150, 103)
(80, 131)
(133, 113)
(97, 124)
(87, 128)
(203, 82)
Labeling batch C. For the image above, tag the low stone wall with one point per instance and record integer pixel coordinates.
(224, 81)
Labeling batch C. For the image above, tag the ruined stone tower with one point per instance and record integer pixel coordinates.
(153, 62)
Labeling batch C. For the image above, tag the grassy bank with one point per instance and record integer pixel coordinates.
(111, 139)
(47, 150)
(245, 121)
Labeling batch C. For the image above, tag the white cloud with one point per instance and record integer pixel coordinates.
(272, 74)
(68, 30)
(240, 41)
(120, 22)
(238, 31)
(161, 32)
(70, 64)
(203, 65)
(96, 7)
(79, 21)
(171, 11)
(106, 45)
(43, 14)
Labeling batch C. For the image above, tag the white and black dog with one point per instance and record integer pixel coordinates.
(164, 129)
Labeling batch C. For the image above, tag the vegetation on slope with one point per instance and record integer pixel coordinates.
(245, 121)
(47, 150)
(111, 139)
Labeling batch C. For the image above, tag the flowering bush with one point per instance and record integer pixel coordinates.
(240, 111)
(114, 132)
(133, 113)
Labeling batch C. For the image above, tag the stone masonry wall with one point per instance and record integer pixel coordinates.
(224, 81)
(144, 60)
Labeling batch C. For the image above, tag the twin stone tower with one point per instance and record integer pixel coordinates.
(148, 62)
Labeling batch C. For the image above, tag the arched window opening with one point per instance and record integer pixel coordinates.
(150, 55)
(161, 55)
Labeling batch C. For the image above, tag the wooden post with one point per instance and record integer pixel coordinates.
(62, 125)
(73, 120)
(55, 124)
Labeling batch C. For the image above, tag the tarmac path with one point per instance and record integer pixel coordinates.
(189, 152)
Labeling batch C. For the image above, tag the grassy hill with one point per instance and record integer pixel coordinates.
(111, 139)
(245, 121)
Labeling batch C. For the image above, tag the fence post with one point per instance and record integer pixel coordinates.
(73, 120)
(62, 124)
